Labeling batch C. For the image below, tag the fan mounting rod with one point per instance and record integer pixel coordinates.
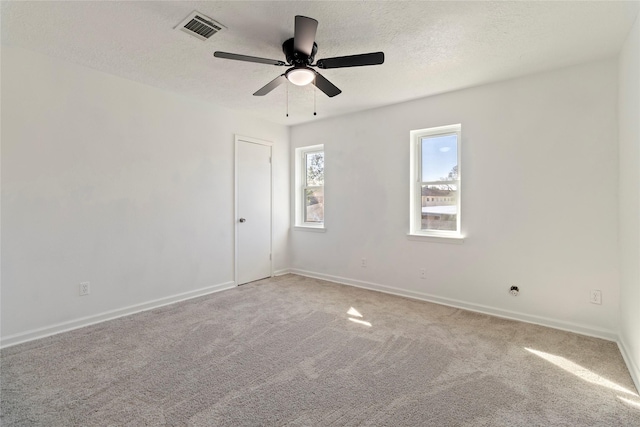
(298, 58)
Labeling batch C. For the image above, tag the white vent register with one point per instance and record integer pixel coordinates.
(199, 26)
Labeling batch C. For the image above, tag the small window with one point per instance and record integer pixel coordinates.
(435, 182)
(310, 186)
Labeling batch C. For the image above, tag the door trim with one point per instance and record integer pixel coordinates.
(238, 139)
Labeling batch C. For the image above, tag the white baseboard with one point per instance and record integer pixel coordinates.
(282, 272)
(512, 315)
(632, 365)
(109, 315)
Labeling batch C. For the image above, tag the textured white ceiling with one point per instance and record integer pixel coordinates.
(430, 47)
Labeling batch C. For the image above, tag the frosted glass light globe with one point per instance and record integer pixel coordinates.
(300, 76)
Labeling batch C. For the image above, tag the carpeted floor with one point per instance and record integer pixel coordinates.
(297, 351)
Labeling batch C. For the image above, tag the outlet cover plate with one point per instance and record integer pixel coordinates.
(85, 288)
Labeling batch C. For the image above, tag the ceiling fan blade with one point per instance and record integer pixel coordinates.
(326, 86)
(271, 85)
(374, 58)
(305, 34)
(246, 58)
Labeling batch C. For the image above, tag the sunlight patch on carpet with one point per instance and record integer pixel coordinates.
(362, 322)
(353, 312)
(579, 371)
(630, 402)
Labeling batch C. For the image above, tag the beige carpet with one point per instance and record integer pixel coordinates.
(284, 351)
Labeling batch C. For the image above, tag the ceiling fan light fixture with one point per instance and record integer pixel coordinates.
(300, 52)
(300, 76)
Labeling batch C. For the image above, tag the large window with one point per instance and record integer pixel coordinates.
(435, 181)
(310, 186)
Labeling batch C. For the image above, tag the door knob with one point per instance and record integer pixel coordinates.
(242, 220)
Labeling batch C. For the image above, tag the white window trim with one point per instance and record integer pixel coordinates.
(415, 204)
(300, 181)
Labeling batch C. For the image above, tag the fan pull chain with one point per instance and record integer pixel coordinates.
(287, 84)
(315, 89)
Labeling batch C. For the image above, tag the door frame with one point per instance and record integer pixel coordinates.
(238, 139)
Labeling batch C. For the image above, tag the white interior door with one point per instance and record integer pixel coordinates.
(253, 210)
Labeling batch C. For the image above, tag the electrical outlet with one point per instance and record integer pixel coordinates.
(85, 288)
(423, 273)
(596, 296)
(363, 263)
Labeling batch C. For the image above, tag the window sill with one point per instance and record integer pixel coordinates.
(456, 240)
(314, 228)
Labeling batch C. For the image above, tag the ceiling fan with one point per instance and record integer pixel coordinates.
(300, 52)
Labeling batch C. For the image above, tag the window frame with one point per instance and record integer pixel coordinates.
(301, 187)
(416, 183)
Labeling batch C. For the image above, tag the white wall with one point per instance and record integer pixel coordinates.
(117, 183)
(539, 200)
(629, 118)
(131, 188)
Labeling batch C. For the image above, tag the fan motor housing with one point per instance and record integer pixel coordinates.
(298, 58)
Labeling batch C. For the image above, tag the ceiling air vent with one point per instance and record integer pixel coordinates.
(199, 26)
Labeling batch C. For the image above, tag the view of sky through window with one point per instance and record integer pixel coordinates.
(439, 157)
